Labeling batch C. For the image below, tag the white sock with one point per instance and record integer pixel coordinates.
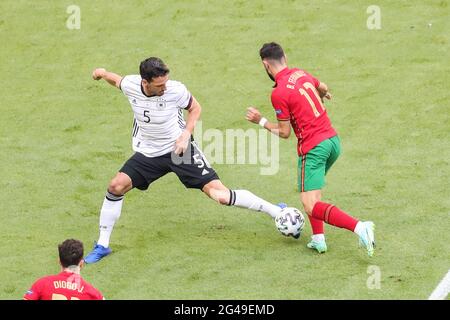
(359, 228)
(110, 212)
(246, 199)
(318, 237)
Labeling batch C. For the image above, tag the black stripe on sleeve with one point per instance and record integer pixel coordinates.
(120, 83)
(189, 104)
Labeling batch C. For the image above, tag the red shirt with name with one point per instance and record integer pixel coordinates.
(63, 286)
(295, 98)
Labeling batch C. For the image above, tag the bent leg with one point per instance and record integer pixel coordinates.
(311, 179)
(109, 214)
(112, 206)
(314, 166)
(240, 198)
(334, 216)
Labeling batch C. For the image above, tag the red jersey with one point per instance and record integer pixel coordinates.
(295, 98)
(63, 286)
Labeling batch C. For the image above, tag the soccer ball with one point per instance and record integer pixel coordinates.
(290, 222)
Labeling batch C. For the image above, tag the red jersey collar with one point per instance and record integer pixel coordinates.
(281, 73)
(67, 273)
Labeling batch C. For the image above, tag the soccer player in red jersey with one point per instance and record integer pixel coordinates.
(67, 285)
(297, 98)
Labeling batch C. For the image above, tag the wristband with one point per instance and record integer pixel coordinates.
(262, 122)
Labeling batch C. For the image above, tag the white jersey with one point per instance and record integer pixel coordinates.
(158, 120)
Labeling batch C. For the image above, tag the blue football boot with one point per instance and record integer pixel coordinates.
(97, 254)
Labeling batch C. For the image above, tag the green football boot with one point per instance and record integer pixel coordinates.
(320, 246)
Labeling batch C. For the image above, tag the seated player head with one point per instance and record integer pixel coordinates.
(154, 75)
(273, 57)
(71, 253)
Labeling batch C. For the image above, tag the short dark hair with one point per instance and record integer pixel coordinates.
(70, 252)
(152, 68)
(272, 51)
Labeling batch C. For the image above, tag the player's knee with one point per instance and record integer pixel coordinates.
(309, 200)
(221, 196)
(116, 187)
(308, 206)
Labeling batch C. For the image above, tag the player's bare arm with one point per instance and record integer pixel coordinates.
(281, 128)
(323, 91)
(110, 77)
(194, 113)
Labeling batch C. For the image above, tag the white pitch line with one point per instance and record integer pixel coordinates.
(442, 290)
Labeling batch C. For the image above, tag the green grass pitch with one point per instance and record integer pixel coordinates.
(63, 137)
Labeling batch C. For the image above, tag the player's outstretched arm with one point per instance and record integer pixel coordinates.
(281, 129)
(110, 77)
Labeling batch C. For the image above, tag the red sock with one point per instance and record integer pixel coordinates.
(316, 225)
(334, 216)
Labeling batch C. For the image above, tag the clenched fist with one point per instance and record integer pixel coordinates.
(253, 115)
(98, 73)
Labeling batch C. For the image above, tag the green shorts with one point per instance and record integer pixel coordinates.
(314, 165)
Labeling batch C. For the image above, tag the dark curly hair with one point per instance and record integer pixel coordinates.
(70, 252)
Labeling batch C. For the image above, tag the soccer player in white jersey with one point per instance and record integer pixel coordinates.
(162, 142)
